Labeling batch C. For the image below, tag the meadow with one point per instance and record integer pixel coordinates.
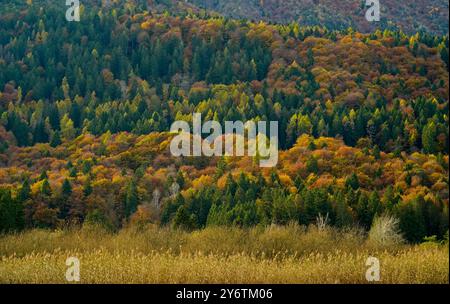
(275, 254)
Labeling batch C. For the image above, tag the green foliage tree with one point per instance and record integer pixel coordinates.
(131, 198)
(11, 212)
(352, 181)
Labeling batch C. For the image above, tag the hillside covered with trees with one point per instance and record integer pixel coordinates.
(409, 16)
(85, 110)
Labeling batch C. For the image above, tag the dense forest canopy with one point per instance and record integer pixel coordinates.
(85, 108)
(409, 16)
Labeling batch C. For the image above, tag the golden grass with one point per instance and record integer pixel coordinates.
(215, 255)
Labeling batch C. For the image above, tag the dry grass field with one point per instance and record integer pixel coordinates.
(216, 255)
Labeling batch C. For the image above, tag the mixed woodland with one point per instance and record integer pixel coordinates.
(85, 110)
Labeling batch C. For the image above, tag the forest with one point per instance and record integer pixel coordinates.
(85, 110)
(409, 16)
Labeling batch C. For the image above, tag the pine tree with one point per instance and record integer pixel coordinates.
(46, 190)
(312, 165)
(73, 172)
(11, 212)
(352, 181)
(411, 221)
(429, 138)
(184, 220)
(362, 211)
(87, 187)
(66, 188)
(24, 192)
(43, 175)
(131, 199)
(344, 216)
(67, 128)
(56, 140)
(376, 152)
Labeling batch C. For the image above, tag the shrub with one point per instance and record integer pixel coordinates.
(385, 231)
